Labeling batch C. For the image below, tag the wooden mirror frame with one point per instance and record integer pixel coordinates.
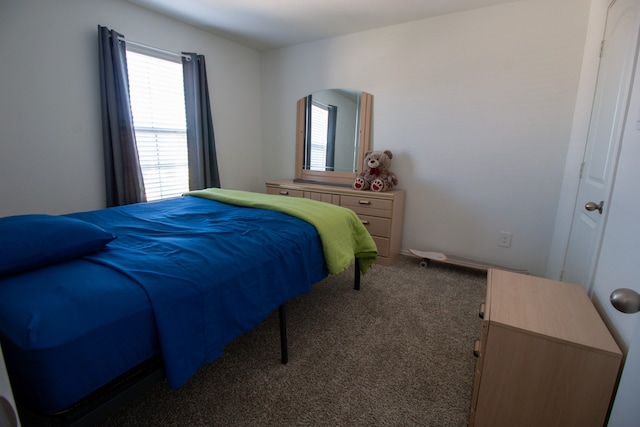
(332, 177)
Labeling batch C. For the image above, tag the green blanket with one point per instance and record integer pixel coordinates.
(342, 234)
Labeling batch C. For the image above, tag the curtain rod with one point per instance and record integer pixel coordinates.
(165, 52)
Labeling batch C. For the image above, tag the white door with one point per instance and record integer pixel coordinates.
(618, 264)
(605, 129)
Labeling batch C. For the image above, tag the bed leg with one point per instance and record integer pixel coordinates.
(284, 353)
(356, 278)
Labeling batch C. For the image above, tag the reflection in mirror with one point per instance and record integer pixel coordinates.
(333, 128)
(331, 134)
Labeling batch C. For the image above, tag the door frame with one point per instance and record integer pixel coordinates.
(578, 139)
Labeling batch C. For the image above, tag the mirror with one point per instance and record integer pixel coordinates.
(332, 134)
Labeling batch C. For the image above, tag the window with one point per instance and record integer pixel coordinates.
(157, 104)
(319, 128)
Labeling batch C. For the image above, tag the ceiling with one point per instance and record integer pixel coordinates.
(268, 24)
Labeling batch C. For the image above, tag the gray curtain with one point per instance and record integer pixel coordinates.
(123, 176)
(331, 138)
(203, 163)
(308, 132)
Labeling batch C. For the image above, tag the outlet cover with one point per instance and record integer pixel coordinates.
(505, 239)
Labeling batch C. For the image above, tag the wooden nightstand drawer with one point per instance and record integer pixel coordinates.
(543, 345)
(380, 227)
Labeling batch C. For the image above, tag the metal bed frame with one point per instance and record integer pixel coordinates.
(106, 400)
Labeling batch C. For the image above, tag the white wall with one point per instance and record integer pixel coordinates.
(476, 107)
(50, 128)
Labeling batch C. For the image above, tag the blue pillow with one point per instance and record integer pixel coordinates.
(28, 242)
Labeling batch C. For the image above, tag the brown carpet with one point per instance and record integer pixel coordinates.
(399, 352)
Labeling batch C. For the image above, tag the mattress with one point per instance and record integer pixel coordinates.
(183, 278)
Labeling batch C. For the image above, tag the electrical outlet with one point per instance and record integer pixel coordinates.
(505, 239)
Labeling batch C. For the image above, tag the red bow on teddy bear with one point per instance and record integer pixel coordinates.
(375, 171)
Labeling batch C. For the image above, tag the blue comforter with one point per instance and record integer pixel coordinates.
(210, 272)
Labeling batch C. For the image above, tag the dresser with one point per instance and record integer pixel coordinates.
(381, 213)
(545, 357)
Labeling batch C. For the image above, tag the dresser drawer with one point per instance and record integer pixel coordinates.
(285, 191)
(334, 199)
(381, 213)
(379, 227)
(367, 205)
(479, 350)
(383, 244)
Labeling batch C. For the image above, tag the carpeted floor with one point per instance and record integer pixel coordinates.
(399, 352)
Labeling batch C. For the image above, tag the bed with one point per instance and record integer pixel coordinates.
(89, 300)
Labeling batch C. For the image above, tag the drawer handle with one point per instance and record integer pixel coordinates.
(364, 202)
(284, 193)
(476, 348)
(481, 311)
(365, 222)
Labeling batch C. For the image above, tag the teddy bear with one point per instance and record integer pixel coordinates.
(376, 175)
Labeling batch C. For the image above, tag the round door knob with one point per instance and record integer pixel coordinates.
(625, 300)
(591, 206)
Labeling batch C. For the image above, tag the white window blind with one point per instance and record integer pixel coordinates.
(319, 129)
(157, 103)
